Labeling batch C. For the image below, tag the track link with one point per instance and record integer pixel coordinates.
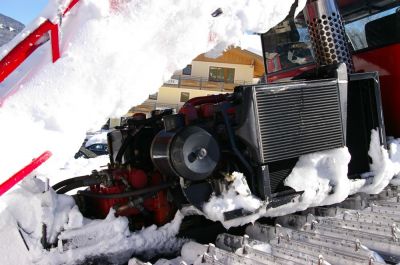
(341, 236)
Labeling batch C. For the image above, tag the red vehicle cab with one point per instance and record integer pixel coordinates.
(373, 31)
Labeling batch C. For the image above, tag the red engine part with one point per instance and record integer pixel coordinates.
(103, 206)
(137, 178)
(203, 107)
(157, 204)
(190, 113)
(160, 206)
(207, 110)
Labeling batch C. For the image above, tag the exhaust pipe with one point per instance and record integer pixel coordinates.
(327, 33)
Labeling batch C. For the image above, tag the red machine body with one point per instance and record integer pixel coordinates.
(135, 179)
(375, 37)
(385, 61)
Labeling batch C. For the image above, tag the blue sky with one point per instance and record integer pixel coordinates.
(22, 10)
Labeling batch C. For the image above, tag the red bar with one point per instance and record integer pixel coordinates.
(55, 46)
(71, 5)
(27, 46)
(17, 177)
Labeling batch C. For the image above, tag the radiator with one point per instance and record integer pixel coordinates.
(280, 122)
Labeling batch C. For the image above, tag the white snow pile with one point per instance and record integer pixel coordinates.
(78, 167)
(73, 237)
(322, 177)
(237, 196)
(383, 168)
(394, 155)
(111, 59)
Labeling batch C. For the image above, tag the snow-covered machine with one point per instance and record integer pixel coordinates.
(160, 163)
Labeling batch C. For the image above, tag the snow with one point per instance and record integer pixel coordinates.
(321, 176)
(75, 167)
(76, 237)
(327, 183)
(382, 167)
(191, 251)
(394, 154)
(238, 196)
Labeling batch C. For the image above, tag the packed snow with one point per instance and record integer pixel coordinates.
(72, 236)
(326, 184)
(111, 59)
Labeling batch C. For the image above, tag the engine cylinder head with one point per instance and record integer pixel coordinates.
(327, 33)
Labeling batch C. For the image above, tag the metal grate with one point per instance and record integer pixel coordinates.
(297, 120)
(327, 33)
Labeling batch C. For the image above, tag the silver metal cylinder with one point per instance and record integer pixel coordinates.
(327, 33)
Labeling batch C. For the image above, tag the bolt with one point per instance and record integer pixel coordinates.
(358, 244)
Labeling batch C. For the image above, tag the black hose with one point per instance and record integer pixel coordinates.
(123, 148)
(70, 187)
(124, 194)
(238, 154)
(69, 181)
(79, 184)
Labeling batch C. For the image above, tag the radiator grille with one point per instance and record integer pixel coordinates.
(297, 120)
(277, 178)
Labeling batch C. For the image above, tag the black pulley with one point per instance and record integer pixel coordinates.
(191, 153)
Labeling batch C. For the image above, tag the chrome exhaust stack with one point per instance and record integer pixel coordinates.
(327, 33)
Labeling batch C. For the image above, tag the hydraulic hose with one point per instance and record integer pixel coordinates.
(78, 183)
(124, 194)
(69, 181)
(70, 187)
(237, 153)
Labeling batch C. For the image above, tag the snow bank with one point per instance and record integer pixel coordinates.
(383, 169)
(394, 154)
(76, 238)
(322, 177)
(74, 168)
(111, 61)
(238, 196)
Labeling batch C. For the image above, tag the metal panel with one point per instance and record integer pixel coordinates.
(298, 119)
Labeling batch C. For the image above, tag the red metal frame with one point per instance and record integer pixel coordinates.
(26, 47)
(10, 62)
(71, 5)
(289, 73)
(17, 177)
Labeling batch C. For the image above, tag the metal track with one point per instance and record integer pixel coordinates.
(349, 237)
